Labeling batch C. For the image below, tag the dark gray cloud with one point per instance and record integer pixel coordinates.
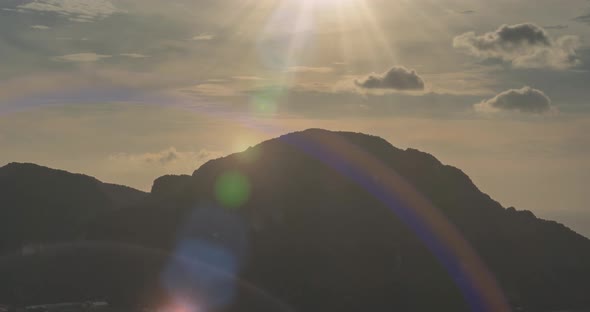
(397, 78)
(583, 19)
(511, 36)
(467, 12)
(523, 45)
(168, 157)
(556, 27)
(525, 100)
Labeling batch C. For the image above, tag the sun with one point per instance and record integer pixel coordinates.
(307, 17)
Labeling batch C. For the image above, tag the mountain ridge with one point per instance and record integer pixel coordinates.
(39, 204)
(302, 215)
(37, 167)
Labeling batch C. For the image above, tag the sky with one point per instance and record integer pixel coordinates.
(129, 90)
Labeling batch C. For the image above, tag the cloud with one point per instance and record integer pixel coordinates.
(523, 45)
(72, 39)
(556, 27)
(133, 55)
(169, 158)
(251, 78)
(216, 80)
(309, 69)
(463, 12)
(213, 90)
(477, 80)
(40, 27)
(583, 19)
(397, 78)
(525, 100)
(75, 10)
(82, 57)
(93, 75)
(203, 36)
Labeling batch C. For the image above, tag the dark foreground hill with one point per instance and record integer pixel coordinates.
(40, 205)
(310, 221)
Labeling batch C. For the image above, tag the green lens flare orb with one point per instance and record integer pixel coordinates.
(265, 101)
(232, 189)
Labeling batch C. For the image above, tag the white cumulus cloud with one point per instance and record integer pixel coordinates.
(524, 100)
(397, 78)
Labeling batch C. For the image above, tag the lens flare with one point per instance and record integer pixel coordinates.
(284, 41)
(232, 189)
(265, 101)
(478, 286)
(180, 305)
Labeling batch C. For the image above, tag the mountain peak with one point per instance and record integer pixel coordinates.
(311, 211)
(323, 134)
(27, 166)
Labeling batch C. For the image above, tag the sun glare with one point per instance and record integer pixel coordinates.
(308, 18)
(331, 2)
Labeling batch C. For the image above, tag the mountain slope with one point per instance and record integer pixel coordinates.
(324, 221)
(41, 205)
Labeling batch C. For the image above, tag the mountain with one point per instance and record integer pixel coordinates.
(40, 205)
(320, 221)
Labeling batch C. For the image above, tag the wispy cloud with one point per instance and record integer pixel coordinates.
(212, 89)
(75, 10)
(40, 27)
(150, 165)
(463, 12)
(168, 157)
(556, 27)
(310, 69)
(251, 78)
(134, 55)
(583, 19)
(203, 37)
(82, 57)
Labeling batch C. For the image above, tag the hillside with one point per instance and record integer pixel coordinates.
(324, 221)
(40, 205)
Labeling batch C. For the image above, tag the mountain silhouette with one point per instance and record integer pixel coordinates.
(316, 220)
(42, 205)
